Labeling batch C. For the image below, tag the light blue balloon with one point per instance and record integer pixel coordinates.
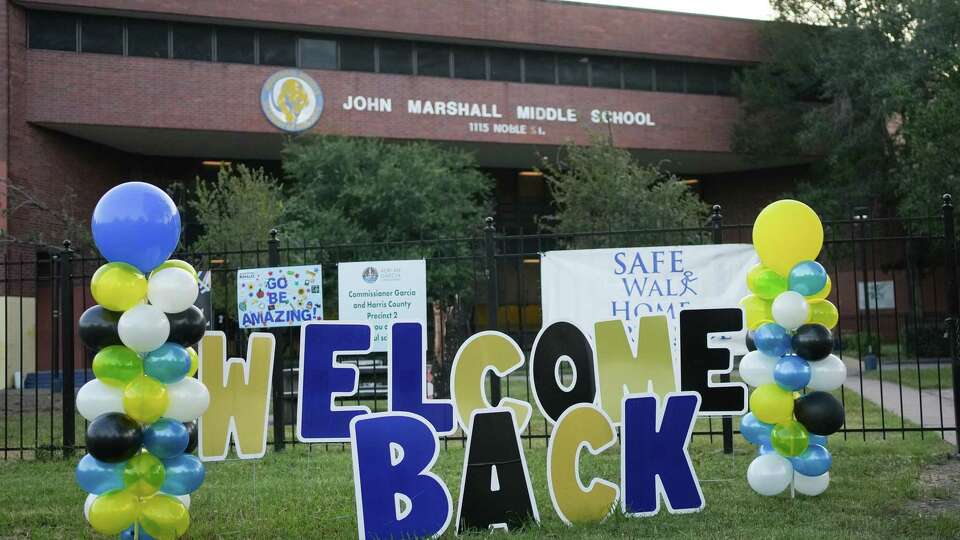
(813, 438)
(814, 461)
(753, 430)
(136, 223)
(130, 535)
(807, 278)
(792, 373)
(184, 474)
(98, 477)
(168, 364)
(166, 438)
(772, 340)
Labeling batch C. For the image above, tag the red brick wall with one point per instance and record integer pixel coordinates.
(538, 22)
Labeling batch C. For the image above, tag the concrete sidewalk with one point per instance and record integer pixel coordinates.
(928, 408)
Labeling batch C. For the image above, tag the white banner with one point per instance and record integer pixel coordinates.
(381, 292)
(590, 285)
(283, 296)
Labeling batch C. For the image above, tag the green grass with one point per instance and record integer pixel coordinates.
(925, 378)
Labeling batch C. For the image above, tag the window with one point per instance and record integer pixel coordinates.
(358, 54)
(318, 53)
(539, 68)
(637, 75)
(605, 72)
(669, 77)
(573, 69)
(469, 63)
(236, 45)
(396, 57)
(147, 38)
(102, 35)
(724, 79)
(505, 65)
(433, 60)
(192, 42)
(53, 31)
(700, 78)
(278, 48)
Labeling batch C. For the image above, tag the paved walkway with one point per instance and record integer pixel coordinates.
(922, 407)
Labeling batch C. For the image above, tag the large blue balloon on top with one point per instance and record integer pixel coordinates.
(136, 223)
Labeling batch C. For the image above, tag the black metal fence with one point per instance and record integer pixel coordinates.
(894, 284)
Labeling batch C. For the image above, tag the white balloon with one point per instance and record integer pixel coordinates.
(769, 474)
(790, 309)
(96, 398)
(827, 374)
(143, 328)
(811, 485)
(86, 506)
(172, 289)
(189, 399)
(756, 368)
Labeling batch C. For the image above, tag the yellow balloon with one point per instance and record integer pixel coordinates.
(145, 399)
(824, 292)
(194, 361)
(177, 263)
(823, 312)
(765, 283)
(118, 286)
(785, 233)
(114, 511)
(164, 517)
(756, 310)
(772, 404)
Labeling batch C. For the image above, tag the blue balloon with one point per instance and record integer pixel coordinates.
(766, 448)
(98, 477)
(772, 340)
(792, 373)
(184, 474)
(130, 535)
(166, 438)
(136, 223)
(813, 438)
(814, 461)
(753, 430)
(807, 278)
(168, 364)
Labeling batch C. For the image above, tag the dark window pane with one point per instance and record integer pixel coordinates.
(433, 60)
(669, 77)
(637, 75)
(469, 63)
(539, 68)
(147, 38)
(700, 78)
(318, 53)
(724, 79)
(102, 35)
(192, 42)
(357, 54)
(396, 57)
(605, 72)
(505, 65)
(278, 48)
(236, 45)
(54, 31)
(572, 69)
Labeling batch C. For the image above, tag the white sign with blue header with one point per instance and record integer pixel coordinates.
(382, 292)
(277, 297)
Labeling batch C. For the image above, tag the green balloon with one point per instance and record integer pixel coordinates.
(117, 365)
(765, 282)
(789, 439)
(143, 474)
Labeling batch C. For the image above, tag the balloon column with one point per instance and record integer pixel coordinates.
(790, 319)
(139, 470)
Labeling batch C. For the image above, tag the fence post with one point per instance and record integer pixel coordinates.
(67, 353)
(953, 305)
(273, 260)
(716, 224)
(493, 299)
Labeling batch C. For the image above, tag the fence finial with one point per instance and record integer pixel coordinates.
(947, 199)
(66, 245)
(273, 233)
(489, 222)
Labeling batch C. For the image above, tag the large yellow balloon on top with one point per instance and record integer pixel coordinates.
(786, 233)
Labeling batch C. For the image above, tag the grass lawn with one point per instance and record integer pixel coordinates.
(925, 378)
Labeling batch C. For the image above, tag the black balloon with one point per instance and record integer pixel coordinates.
(187, 327)
(114, 437)
(812, 342)
(751, 346)
(819, 412)
(192, 431)
(98, 328)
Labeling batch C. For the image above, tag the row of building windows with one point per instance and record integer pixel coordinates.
(161, 39)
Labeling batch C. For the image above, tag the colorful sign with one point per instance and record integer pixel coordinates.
(381, 292)
(277, 297)
(291, 100)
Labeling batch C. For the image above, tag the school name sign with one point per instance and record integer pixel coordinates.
(632, 385)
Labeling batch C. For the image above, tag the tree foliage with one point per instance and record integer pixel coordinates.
(237, 210)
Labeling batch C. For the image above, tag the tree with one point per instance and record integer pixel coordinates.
(599, 187)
